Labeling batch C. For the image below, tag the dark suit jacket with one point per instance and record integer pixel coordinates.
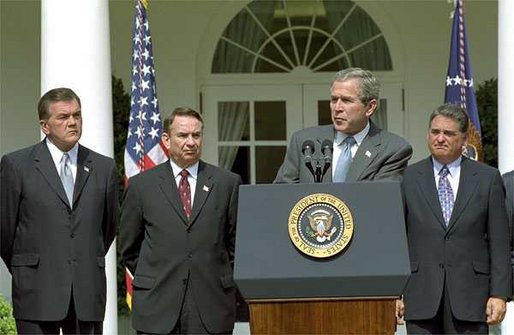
(161, 250)
(381, 155)
(472, 255)
(50, 248)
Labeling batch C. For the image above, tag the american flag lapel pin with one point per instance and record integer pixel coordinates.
(368, 154)
(86, 169)
(205, 188)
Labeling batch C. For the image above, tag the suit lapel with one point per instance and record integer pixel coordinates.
(46, 166)
(467, 183)
(427, 187)
(204, 186)
(84, 169)
(168, 186)
(366, 153)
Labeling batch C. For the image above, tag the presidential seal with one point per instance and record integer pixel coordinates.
(320, 225)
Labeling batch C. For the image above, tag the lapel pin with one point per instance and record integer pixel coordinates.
(86, 169)
(205, 188)
(368, 154)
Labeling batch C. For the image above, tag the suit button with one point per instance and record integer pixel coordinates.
(447, 238)
(184, 281)
(72, 235)
(190, 255)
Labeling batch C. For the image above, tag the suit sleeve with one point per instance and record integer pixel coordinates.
(289, 172)
(10, 186)
(232, 218)
(131, 227)
(393, 166)
(499, 241)
(112, 207)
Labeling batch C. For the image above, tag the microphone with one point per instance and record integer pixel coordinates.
(307, 151)
(326, 150)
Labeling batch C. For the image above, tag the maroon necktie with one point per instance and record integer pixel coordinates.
(184, 191)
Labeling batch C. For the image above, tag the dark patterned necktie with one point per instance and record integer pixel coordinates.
(445, 192)
(345, 159)
(67, 177)
(185, 192)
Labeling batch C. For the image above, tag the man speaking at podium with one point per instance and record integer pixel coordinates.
(353, 148)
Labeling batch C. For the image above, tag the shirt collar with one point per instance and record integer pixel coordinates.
(452, 167)
(56, 153)
(193, 169)
(359, 137)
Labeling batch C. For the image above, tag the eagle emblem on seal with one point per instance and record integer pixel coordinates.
(321, 223)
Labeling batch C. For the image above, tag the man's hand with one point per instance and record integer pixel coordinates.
(400, 311)
(495, 310)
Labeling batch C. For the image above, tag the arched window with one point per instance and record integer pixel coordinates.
(282, 35)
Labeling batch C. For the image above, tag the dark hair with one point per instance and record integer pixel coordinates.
(454, 112)
(180, 111)
(55, 95)
(369, 85)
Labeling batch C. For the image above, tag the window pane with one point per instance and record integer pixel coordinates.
(270, 120)
(233, 117)
(324, 114)
(268, 160)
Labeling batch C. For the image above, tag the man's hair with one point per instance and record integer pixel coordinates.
(369, 85)
(454, 112)
(55, 95)
(180, 111)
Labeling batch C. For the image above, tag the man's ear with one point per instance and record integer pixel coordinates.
(166, 139)
(44, 126)
(371, 107)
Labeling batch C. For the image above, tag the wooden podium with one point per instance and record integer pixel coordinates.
(334, 316)
(353, 292)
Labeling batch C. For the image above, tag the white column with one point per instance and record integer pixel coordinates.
(75, 53)
(505, 86)
(506, 109)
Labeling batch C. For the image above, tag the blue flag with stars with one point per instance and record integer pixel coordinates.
(459, 83)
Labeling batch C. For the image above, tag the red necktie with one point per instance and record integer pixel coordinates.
(184, 191)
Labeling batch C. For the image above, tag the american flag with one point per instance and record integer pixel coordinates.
(144, 147)
(459, 83)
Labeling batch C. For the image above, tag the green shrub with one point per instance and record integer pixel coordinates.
(7, 323)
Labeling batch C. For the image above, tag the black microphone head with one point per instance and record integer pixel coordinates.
(327, 147)
(308, 147)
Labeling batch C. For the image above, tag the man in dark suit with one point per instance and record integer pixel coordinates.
(458, 236)
(59, 214)
(373, 153)
(177, 236)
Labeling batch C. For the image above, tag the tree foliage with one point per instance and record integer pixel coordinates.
(7, 323)
(120, 110)
(487, 101)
